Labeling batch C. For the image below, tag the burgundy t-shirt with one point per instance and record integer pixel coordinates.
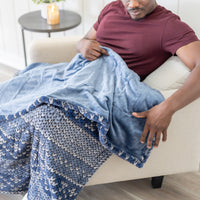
(145, 44)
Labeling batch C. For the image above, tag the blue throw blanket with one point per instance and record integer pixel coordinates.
(44, 103)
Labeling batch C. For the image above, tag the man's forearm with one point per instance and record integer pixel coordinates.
(79, 45)
(84, 42)
(159, 117)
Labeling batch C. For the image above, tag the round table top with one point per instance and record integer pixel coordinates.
(33, 21)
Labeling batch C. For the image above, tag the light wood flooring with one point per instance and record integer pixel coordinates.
(184, 186)
(175, 187)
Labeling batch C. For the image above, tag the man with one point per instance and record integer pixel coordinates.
(145, 35)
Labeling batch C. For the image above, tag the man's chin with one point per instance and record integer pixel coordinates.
(136, 17)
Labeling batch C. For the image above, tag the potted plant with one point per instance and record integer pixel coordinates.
(44, 5)
(46, 1)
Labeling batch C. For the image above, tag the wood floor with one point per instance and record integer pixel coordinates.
(175, 187)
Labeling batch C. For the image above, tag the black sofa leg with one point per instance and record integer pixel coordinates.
(156, 182)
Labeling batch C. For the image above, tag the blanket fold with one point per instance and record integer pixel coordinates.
(103, 91)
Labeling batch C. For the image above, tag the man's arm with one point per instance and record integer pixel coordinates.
(158, 118)
(89, 47)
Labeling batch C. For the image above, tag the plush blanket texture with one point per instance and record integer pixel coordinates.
(59, 123)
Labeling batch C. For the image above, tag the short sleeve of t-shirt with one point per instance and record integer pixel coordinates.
(177, 34)
(103, 12)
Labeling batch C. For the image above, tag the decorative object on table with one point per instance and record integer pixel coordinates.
(44, 5)
(53, 14)
(32, 21)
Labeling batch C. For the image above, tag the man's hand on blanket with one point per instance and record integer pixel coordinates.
(91, 50)
(157, 121)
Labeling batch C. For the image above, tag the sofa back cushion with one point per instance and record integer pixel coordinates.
(169, 76)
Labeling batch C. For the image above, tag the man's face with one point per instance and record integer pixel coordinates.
(138, 9)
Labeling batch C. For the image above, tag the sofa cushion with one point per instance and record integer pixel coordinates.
(170, 75)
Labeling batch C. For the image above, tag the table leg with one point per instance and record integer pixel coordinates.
(24, 47)
(49, 34)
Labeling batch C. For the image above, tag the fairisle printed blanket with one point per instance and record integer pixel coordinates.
(59, 123)
(50, 151)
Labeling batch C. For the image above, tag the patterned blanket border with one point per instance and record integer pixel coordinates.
(103, 126)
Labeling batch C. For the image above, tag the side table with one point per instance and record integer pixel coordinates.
(33, 22)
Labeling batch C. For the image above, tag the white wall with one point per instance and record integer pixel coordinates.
(11, 51)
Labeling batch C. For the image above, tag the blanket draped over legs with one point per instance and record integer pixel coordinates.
(59, 123)
(50, 152)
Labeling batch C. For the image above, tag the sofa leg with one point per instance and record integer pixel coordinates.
(156, 182)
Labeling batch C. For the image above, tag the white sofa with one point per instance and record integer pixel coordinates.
(181, 152)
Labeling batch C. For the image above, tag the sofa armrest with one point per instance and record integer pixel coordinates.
(53, 50)
(171, 75)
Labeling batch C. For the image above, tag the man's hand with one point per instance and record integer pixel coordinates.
(157, 121)
(91, 50)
